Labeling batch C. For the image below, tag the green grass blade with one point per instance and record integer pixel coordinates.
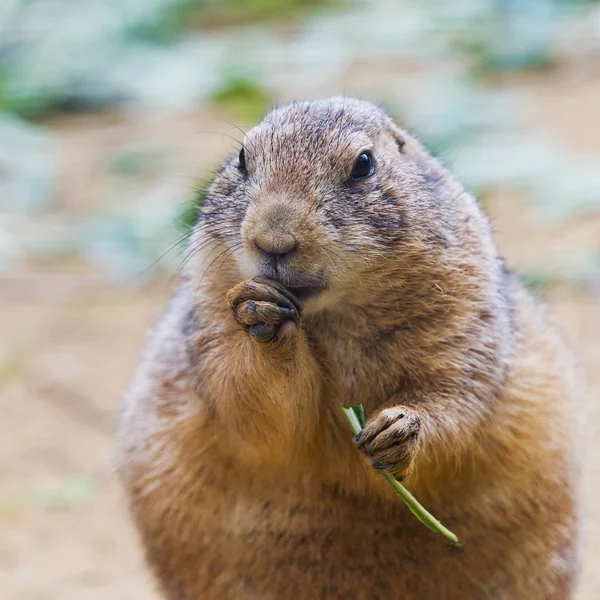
(354, 420)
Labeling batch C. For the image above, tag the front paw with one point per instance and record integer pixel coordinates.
(390, 439)
(266, 309)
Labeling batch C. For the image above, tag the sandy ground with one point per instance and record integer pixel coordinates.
(74, 343)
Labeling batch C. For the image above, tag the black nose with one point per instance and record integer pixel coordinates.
(276, 244)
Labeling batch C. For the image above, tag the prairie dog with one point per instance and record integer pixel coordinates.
(335, 262)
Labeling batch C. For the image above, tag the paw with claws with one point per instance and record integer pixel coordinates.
(390, 439)
(266, 309)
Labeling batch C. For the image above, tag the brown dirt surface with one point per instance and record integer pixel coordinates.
(70, 343)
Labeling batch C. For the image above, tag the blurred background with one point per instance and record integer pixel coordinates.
(113, 114)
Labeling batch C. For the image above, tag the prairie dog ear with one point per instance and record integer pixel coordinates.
(415, 152)
(398, 135)
(408, 145)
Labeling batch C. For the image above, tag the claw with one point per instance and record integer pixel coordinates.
(288, 313)
(263, 332)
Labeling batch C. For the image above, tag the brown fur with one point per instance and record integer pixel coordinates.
(242, 474)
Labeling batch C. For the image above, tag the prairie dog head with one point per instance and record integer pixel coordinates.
(324, 197)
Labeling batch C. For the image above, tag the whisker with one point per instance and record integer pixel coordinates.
(178, 241)
(191, 254)
(234, 126)
(210, 265)
(232, 252)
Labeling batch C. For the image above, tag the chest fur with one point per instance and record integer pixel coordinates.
(357, 370)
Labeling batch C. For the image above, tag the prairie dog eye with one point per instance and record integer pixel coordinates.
(364, 166)
(242, 161)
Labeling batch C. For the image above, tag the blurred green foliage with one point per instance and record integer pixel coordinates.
(188, 214)
(66, 492)
(59, 57)
(244, 99)
(222, 13)
(131, 162)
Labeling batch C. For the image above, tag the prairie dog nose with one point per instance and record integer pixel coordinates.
(275, 243)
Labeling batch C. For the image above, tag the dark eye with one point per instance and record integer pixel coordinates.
(364, 166)
(242, 163)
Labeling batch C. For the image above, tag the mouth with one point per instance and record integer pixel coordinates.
(304, 292)
(303, 287)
